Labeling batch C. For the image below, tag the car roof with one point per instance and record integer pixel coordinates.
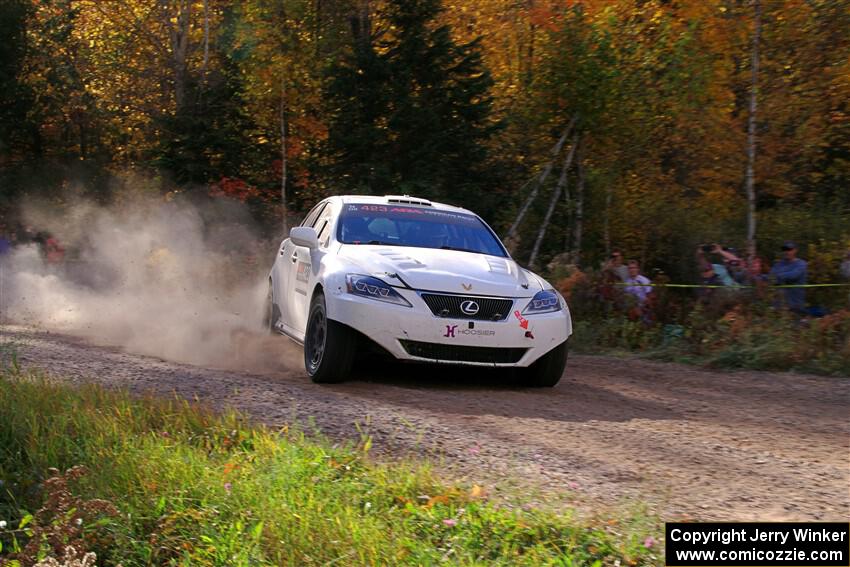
(406, 200)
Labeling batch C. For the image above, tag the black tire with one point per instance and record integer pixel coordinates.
(329, 346)
(271, 314)
(546, 372)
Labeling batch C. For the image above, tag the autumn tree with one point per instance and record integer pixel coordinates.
(410, 109)
(278, 47)
(620, 123)
(16, 97)
(629, 78)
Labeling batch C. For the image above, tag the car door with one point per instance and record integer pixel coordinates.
(287, 264)
(303, 275)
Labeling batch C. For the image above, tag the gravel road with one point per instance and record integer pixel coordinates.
(686, 441)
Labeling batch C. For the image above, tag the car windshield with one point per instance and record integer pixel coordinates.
(393, 225)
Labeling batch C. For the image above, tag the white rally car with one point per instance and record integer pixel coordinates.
(424, 281)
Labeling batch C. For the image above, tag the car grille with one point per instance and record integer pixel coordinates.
(457, 353)
(489, 309)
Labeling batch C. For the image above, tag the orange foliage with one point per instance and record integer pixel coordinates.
(233, 188)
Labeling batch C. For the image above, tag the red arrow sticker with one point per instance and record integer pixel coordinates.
(523, 322)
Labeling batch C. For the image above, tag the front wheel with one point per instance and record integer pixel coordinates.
(271, 313)
(546, 371)
(328, 346)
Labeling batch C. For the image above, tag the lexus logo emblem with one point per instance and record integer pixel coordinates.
(469, 307)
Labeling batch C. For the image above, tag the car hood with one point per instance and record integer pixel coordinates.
(444, 270)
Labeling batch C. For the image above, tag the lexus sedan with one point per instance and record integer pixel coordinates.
(424, 281)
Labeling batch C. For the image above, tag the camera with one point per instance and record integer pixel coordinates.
(707, 248)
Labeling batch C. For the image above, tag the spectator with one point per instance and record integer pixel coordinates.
(755, 267)
(54, 252)
(791, 270)
(615, 268)
(613, 272)
(710, 280)
(5, 241)
(720, 272)
(845, 266)
(637, 285)
(739, 273)
(737, 269)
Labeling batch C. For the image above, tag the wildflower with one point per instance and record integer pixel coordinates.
(475, 449)
(79, 521)
(649, 542)
(368, 505)
(573, 485)
(451, 522)
(2, 524)
(228, 487)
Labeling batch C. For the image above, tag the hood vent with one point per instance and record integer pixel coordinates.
(498, 265)
(407, 200)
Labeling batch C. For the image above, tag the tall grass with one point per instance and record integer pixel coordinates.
(742, 338)
(196, 488)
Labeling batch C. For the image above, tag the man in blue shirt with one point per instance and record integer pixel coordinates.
(791, 270)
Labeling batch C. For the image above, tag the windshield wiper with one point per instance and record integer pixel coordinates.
(459, 249)
(377, 242)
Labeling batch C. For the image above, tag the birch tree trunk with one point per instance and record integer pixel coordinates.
(556, 195)
(554, 152)
(563, 182)
(579, 219)
(568, 201)
(751, 136)
(283, 153)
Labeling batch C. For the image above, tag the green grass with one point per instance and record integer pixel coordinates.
(192, 487)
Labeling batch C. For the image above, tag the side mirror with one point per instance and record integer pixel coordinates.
(304, 236)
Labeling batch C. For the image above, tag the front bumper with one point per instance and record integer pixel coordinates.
(417, 334)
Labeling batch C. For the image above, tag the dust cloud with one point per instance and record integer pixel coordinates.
(179, 281)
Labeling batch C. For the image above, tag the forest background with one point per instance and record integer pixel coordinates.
(634, 124)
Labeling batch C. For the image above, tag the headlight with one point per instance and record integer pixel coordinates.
(545, 301)
(373, 288)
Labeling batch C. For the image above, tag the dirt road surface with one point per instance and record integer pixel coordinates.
(686, 441)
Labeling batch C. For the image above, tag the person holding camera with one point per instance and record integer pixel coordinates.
(717, 272)
(716, 277)
(740, 271)
(613, 272)
(614, 268)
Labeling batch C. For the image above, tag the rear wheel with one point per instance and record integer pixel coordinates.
(546, 372)
(329, 346)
